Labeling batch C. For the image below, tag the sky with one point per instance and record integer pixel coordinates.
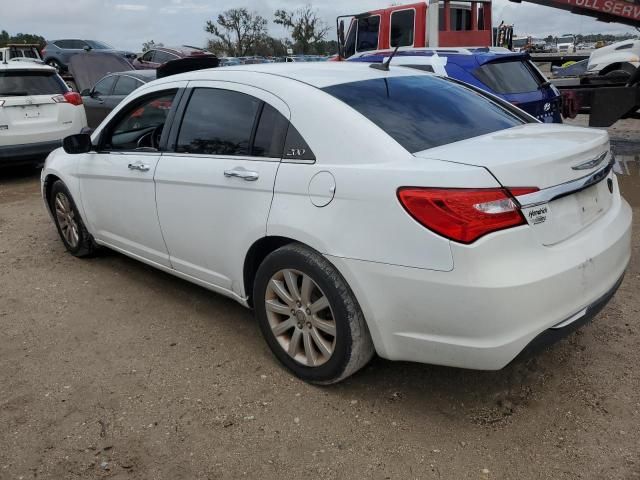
(127, 24)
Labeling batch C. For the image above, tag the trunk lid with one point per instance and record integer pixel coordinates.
(557, 159)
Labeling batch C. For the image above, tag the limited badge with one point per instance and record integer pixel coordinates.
(537, 215)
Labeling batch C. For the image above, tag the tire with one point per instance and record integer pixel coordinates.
(75, 236)
(321, 311)
(52, 62)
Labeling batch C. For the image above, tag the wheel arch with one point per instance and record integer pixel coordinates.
(254, 257)
(625, 66)
(47, 184)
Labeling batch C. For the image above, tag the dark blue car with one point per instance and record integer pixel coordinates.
(510, 76)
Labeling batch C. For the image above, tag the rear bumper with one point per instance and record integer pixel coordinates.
(29, 152)
(506, 291)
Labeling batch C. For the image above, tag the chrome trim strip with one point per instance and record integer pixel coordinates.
(553, 193)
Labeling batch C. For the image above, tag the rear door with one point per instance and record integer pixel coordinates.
(214, 190)
(30, 108)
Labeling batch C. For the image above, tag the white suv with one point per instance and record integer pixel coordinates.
(37, 110)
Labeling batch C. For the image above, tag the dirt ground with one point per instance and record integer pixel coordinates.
(111, 369)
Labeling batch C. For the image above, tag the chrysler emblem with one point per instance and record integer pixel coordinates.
(591, 163)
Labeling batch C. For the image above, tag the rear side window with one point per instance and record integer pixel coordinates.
(19, 83)
(270, 134)
(422, 112)
(163, 57)
(218, 122)
(368, 29)
(402, 26)
(508, 77)
(125, 85)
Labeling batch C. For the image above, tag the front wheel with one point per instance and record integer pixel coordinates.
(73, 233)
(309, 316)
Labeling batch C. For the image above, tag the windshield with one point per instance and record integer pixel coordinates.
(422, 112)
(99, 45)
(509, 77)
(16, 83)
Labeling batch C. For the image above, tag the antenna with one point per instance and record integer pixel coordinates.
(385, 66)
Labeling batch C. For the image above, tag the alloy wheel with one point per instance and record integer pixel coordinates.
(66, 219)
(300, 317)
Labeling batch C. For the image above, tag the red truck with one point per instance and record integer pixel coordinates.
(460, 24)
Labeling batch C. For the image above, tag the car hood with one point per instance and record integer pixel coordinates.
(89, 67)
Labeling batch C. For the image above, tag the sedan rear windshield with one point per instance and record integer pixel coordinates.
(20, 83)
(422, 112)
(509, 77)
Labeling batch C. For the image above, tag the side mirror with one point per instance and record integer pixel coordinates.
(86, 48)
(80, 143)
(85, 93)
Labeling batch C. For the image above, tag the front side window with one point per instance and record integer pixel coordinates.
(368, 30)
(163, 57)
(218, 122)
(125, 85)
(104, 86)
(422, 112)
(141, 124)
(148, 56)
(30, 82)
(508, 77)
(402, 28)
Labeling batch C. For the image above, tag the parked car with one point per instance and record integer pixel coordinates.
(19, 52)
(155, 57)
(37, 111)
(356, 210)
(511, 76)
(58, 52)
(620, 59)
(110, 90)
(229, 61)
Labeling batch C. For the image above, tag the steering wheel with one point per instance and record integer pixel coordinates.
(151, 139)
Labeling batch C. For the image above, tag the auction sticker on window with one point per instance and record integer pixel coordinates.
(538, 214)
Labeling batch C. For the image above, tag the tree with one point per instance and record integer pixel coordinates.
(237, 31)
(150, 45)
(307, 29)
(5, 38)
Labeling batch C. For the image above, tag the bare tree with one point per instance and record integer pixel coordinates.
(307, 29)
(237, 31)
(150, 45)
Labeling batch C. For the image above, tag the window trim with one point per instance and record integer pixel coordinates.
(379, 30)
(107, 130)
(414, 27)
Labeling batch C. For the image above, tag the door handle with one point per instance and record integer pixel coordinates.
(247, 175)
(139, 166)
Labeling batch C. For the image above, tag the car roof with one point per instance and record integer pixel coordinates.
(26, 66)
(481, 55)
(316, 74)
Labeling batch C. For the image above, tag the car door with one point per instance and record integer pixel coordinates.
(95, 105)
(214, 185)
(116, 182)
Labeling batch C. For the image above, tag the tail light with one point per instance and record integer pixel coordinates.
(73, 98)
(464, 214)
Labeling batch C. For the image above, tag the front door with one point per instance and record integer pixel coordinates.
(116, 182)
(214, 190)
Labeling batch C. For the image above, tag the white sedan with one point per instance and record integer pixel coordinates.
(355, 210)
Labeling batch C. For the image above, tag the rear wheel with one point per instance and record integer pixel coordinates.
(71, 228)
(309, 316)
